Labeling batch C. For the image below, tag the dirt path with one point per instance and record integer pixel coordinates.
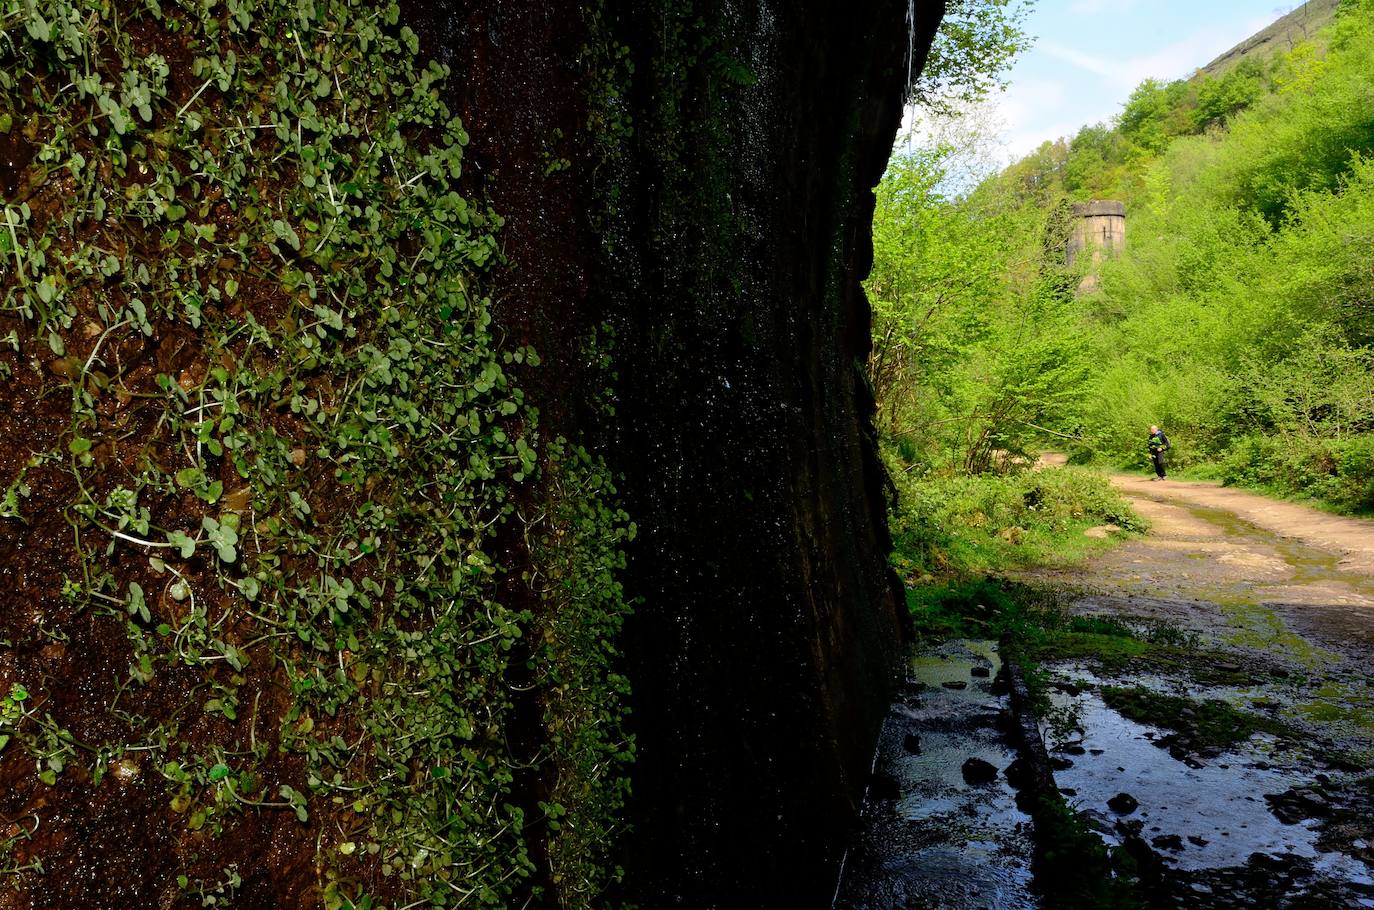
(1276, 602)
(1208, 706)
(1212, 547)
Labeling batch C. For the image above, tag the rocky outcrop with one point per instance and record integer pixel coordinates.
(716, 216)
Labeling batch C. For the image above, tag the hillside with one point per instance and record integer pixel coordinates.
(1236, 316)
(1280, 36)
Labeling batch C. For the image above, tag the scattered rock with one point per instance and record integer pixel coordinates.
(1018, 773)
(1061, 763)
(1198, 841)
(1167, 842)
(1068, 791)
(977, 772)
(1130, 827)
(1123, 804)
(955, 684)
(980, 672)
(1297, 804)
(912, 743)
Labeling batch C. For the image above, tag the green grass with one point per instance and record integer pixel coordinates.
(959, 525)
(1208, 724)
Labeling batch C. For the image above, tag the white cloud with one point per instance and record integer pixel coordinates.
(1028, 100)
(1172, 61)
(1036, 110)
(1088, 81)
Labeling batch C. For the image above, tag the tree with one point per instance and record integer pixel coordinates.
(976, 43)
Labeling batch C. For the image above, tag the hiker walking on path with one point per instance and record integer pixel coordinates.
(1159, 444)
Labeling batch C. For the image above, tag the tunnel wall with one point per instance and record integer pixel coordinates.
(714, 214)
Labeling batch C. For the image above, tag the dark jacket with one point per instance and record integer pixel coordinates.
(1158, 442)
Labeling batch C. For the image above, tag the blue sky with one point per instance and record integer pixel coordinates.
(1089, 54)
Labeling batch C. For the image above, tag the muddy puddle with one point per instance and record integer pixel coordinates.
(941, 829)
(1201, 820)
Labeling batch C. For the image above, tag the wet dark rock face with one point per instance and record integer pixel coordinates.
(724, 241)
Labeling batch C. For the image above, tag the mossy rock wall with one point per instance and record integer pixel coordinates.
(320, 367)
(716, 217)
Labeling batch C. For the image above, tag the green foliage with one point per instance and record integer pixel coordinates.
(962, 524)
(1239, 318)
(976, 42)
(976, 345)
(319, 500)
(1210, 724)
(1219, 98)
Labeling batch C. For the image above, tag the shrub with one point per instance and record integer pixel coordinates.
(949, 524)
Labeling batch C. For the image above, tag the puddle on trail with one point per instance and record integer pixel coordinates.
(1209, 817)
(1309, 565)
(931, 839)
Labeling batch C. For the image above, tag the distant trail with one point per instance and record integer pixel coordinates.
(1352, 539)
(1276, 605)
(1279, 599)
(1210, 544)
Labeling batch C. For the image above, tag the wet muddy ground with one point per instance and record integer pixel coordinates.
(1224, 747)
(942, 830)
(1276, 601)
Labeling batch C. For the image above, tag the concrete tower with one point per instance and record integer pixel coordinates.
(1099, 225)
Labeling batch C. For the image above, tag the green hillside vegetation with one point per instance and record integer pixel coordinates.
(1281, 35)
(1239, 317)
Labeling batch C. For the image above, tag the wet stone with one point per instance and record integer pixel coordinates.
(1167, 842)
(955, 684)
(1295, 805)
(946, 841)
(1061, 763)
(977, 772)
(1017, 773)
(980, 672)
(1130, 826)
(1123, 803)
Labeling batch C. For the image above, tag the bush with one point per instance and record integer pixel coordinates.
(954, 524)
(1337, 471)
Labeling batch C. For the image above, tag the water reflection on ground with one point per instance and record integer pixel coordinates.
(938, 833)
